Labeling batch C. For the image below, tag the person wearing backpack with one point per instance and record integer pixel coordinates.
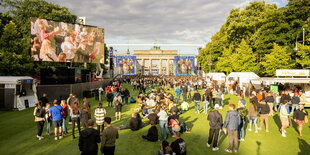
(39, 114)
(117, 101)
(75, 117)
(243, 114)
(55, 113)
(64, 116)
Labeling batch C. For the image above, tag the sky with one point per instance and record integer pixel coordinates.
(157, 21)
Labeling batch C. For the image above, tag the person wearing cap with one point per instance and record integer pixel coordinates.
(216, 123)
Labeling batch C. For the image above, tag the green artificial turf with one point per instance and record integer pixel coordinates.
(18, 135)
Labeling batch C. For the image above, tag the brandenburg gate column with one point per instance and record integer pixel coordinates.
(168, 67)
(150, 68)
(142, 64)
(160, 67)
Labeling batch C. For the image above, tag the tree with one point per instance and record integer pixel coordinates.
(304, 56)
(225, 62)
(244, 60)
(279, 58)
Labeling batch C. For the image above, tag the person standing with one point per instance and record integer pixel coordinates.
(197, 99)
(85, 115)
(253, 116)
(178, 146)
(264, 113)
(109, 136)
(126, 95)
(44, 100)
(48, 118)
(100, 93)
(110, 99)
(184, 93)
(178, 94)
(163, 123)
(299, 117)
(242, 112)
(100, 112)
(284, 116)
(303, 99)
(64, 116)
(205, 99)
(232, 122)
(214, 97)
(39, 114)
(89, 139)
(55, 112)
(118, 103)
(75, 117)
(216, 122)
(295, 102)
(270, 100)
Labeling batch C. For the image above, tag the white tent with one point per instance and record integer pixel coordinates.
(13, 86)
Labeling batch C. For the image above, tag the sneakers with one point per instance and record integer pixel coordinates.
(60, 137)
(236, 151)
(56, 138)
(40, 138)
(208, 145)
(227, 150)
(267, 130)
(283, 134)
(284, 131)
(242, 140)
(215, 149)
(250, 129)
(259, 128)
(256, 131)
(188, 131)
(220, 107)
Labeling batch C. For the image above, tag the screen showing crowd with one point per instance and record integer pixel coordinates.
(127, 64)
(66, 42)
(184, 65)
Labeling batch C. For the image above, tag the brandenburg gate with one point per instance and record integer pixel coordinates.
(153, 55)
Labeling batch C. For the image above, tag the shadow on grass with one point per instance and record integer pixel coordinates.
(295, 126)
(222, 138)
(277, 120)
(303, 146)
(258, 147)
(226, 102)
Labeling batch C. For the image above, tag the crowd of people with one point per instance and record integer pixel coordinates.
(159, 101)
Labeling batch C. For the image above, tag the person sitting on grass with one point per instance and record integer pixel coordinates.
(88, 139)
(184, 106)
(152, 134)
(175, 109)
(153, 117)
(165, 149)
(299, 117)
(134, 123)
(178, 146)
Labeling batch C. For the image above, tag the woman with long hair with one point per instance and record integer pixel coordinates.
(47, 53)
(253, 116)
(36, 48)
(64, 116)
(39, 114)
(75, 117)
(100, 112)
(85, 115)
(48, 118)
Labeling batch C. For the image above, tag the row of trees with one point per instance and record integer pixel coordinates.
(15, 58)
(260, 39)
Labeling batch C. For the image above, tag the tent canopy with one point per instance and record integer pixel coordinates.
(13, 79)
(216, 74)
(243, 75)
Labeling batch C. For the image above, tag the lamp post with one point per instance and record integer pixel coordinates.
(303, 42)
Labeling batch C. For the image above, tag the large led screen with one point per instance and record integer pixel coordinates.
(184, 65)
(127, 64)
(66, 42)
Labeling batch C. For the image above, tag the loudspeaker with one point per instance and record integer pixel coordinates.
(86, 75)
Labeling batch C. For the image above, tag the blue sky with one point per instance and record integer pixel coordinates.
(160, 21)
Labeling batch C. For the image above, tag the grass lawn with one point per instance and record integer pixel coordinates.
(18, 135)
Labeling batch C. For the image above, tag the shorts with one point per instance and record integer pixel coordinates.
(284, 121)
(118, 108)
(300, 122)
(57, 124)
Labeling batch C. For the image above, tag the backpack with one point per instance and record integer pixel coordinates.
(243, 113)
(39, 112)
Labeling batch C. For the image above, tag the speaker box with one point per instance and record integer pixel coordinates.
(86, 75)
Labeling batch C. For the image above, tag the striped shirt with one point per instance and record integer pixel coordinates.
(99, 115)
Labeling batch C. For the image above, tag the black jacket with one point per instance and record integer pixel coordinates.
(88, 141)
(134, 124)
(300, 115)
(215, 120)
(264, 108)
(269, 99)
(197, 97)
(152, 134)
(153, 117)
(295, 100)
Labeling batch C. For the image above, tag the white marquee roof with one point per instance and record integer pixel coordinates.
(12, 79)
(245, 75)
